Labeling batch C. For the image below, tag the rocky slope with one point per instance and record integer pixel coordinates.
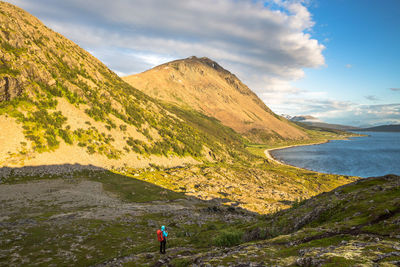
(99, 218)
(59, 104)
(205, 86)
(354, 225)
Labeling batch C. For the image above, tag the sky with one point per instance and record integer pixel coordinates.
(337, 60)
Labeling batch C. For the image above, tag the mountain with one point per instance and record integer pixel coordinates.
(59, 104)
(305, 118)
(203, 85)
(315, 122)
(63, 111)
(382, 128)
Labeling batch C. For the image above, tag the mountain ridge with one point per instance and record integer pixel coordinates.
(315, 122)
(382, 128)
(202, 84)
(60, 103)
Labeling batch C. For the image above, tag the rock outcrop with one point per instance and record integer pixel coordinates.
(10, 88)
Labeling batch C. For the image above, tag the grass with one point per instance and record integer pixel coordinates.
(134, 190)
(90, 241)
(228, 238)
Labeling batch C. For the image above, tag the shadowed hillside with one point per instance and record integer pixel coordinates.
(88, 216)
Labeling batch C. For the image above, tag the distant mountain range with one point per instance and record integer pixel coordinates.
(313, 121)
(382, 128)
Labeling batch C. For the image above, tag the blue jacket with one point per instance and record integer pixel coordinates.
(165, 233)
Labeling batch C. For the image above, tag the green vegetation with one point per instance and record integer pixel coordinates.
(77, 84)
(313, 229)
(133, 190)
(6, 69)
(6, 47)
(228, 238)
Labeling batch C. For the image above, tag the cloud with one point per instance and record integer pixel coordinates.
(349, 66)
(268, 44)
(257, 40)
(344, 112)
(372, 98)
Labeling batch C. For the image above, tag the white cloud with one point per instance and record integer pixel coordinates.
(343, 112)
(348, 66)
(248, 37)
(266, 43)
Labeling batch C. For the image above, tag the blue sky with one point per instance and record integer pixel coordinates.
(362, 54)
(337, 60)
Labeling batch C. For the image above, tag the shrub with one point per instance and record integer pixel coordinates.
(65, 136)
(91, 150)
(181, 262)
(122, 127)
(228, 238)
(5, 69)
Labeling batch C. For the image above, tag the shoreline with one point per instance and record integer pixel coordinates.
(270, 157)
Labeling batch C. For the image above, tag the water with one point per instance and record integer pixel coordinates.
(375, 155)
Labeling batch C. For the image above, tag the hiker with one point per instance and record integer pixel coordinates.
(162, 238)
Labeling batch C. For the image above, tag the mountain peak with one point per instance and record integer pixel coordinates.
(60, 104)
(196, 62)
(303, 118)
(202, 84)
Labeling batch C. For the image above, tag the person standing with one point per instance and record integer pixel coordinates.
(162, 238)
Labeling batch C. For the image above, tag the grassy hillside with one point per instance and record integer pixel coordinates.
(353, 225)
(61, 104)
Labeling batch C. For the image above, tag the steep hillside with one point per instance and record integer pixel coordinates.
(203, 85)
(59, 104)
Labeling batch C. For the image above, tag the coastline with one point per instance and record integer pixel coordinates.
(270, 157)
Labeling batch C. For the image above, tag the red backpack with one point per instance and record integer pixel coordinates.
(160, 236)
